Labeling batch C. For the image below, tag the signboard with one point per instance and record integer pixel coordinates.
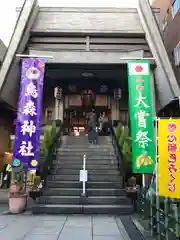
(141, 117)
(27, 137)
(169, 158)
(83, 176)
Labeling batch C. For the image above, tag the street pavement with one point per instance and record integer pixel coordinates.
(4, 196)
(74, 227)
(3, 208)
(3, 200)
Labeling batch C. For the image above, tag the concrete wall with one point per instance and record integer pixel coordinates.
(10, 69)
(166, 82)
(170, 32)
(6, 129)
(88, 56)
(163, 6)
(62, 21)
(2, 50)
(94, 20)
(87, 20)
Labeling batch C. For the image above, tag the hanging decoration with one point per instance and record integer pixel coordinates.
(27, 137)
(58, 93)
(141, 117)
(117, 93)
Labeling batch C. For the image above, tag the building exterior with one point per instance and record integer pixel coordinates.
(170, 18)
(2, 50)
(6, 118)
(88, 50)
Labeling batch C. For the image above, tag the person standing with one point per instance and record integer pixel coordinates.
(92, 128)
(7, 177)
(100, 122)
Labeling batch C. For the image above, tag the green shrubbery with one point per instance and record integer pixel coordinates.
(125, 142)
(49, 134)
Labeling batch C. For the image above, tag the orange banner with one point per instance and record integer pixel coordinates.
(169, 158)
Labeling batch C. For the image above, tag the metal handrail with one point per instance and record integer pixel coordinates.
(119, 154)
(84, 169)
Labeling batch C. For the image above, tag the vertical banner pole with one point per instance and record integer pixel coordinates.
(156, 165)
(143, 180)
(156, 179)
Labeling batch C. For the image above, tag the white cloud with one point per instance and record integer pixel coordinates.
(7, 19)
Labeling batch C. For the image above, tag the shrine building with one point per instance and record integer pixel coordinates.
(87, 51)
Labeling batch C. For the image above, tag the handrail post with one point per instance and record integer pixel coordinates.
(1, 179)
(84, 181)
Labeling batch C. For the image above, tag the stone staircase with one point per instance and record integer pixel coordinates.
(104, 189)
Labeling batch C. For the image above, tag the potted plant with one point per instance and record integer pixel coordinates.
(18, 194)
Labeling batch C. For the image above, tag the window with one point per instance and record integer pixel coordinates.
(177, 55)
(175, 7)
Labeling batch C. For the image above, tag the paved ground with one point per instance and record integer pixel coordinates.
(75, 227)
(3, 200)
(3, 208)
(4, 196)
(28, 227)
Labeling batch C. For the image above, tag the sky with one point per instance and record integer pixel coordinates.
(8, 10)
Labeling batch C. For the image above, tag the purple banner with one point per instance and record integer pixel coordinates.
(27, 138)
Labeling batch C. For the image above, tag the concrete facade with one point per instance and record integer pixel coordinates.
(2, 50)
(6, 119)
(41, 31)
(170, 30)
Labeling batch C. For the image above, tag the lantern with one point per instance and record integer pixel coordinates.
(58, 93)
(117, 93)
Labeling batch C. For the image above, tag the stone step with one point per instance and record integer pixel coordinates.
(81, 154)
(82, 209)
(91, 177)
(80, 157)
(89, 192)
(95, 170)
(74, 146)
(87, 200)
(89, 166)
(89, 184)
(82, 150)
(88, 161)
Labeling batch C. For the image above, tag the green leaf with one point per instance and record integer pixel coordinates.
(118, 132)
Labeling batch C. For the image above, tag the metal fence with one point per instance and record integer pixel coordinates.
(162, 213)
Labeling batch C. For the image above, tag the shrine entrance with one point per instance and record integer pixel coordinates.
(76, 116)
(84, 87)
